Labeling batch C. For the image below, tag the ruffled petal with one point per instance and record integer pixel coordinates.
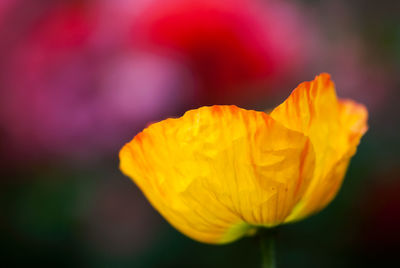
(334, 128)
(217, 172)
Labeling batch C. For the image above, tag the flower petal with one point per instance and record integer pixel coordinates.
(218, 171)
(334, 128)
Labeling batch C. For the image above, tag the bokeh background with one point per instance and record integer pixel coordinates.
(79, 78)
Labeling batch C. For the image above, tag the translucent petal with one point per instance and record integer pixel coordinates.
(334, 128)
(217, 172)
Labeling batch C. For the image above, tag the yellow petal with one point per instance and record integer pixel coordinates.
(218, 171)
(334, 128)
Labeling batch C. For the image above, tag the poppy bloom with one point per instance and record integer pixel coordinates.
(218, 173)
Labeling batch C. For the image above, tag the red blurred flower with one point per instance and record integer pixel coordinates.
(228, 44)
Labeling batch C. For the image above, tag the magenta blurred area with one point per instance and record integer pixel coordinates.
(72, 84)
(80, 78)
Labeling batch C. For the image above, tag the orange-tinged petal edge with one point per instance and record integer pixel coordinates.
(217, 172)
(334, 127)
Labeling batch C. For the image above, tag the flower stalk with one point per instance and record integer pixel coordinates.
(267, 246)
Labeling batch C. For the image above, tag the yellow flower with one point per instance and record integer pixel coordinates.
(217, 173)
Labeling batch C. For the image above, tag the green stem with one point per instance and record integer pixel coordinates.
(267, 245)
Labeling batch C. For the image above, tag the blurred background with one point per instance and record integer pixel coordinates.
(79, 78)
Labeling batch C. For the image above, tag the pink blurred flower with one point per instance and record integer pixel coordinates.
(228, 44)
(72, 91)
(74, 85)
